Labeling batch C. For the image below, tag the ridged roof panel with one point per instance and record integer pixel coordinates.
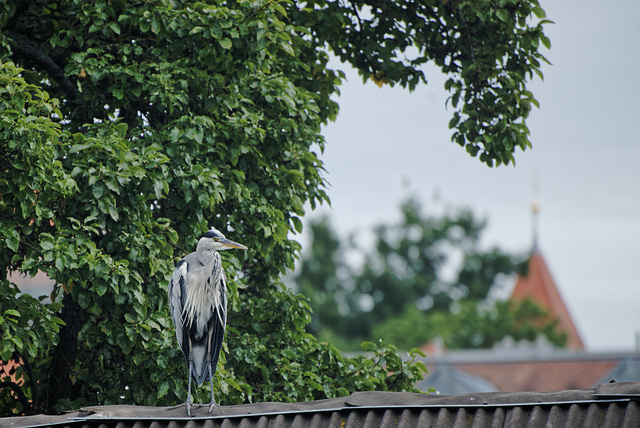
(610, 405)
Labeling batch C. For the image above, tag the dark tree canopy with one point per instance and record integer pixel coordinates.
(128, 128)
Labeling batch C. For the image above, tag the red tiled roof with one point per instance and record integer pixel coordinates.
(539, 286)
(541, 375)
(8, 369)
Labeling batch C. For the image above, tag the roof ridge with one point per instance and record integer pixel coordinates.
(359, 405)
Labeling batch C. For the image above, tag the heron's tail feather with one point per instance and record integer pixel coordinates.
(206, 347)
(200, 364)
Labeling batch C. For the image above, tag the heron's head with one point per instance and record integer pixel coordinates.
(215, 240)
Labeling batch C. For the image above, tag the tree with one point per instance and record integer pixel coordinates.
(488, 48)
(319, 278)
(406, 266)
(128, 128)
(471, 324)
(401, 295)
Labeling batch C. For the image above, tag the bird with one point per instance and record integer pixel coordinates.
(198, 304)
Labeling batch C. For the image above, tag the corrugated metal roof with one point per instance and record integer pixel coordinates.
(612, 405)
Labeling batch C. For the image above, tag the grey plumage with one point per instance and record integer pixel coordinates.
(198, 304)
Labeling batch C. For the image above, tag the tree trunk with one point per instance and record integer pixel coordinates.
(59, 381)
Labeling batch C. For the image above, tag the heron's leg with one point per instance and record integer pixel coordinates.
(189, 375)
(189, 389)
(213, 400)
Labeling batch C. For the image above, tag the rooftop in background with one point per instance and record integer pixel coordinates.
(539, 286)
(526, 366)
(612, 405)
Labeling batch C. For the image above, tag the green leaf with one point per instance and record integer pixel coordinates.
(12, 312)
(13, 240)
(297, 224)
(163, 388)
(114, 27)
(145, 26)
(156, 26)
(121, 129)
(420, 365)
(6, 350)
(279, 8)
(538, 73)
(97, 190)
(417, 351)
(175, 134)
(368, 346)
(77, 57)
(545, 41)
(225, 43)
(503, 15)
(286, 46)
(18, 342)
(113, 212)
(539, 12)
(101, 288)
(46, 242)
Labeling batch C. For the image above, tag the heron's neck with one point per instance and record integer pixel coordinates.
(206, 255)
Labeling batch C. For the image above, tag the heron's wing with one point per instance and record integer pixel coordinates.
(177, 299)
(219, 322)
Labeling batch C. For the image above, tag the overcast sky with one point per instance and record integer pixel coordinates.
(388, 144)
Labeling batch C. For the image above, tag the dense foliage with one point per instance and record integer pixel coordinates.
(427, 276)
(488, 48)
(128, 128)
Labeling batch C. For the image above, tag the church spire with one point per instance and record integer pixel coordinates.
(535, 212)
(539, 286)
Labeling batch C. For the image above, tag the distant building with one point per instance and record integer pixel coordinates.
(526, 366)
(538, 285)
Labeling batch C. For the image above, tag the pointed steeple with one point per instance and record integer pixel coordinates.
(535, 211)
(539, 286)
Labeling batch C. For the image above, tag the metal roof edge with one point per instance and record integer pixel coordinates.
(520, 355)
(349, 408)
(611, 393)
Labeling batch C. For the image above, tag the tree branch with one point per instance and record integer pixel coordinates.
(33, 384)
(28, 49)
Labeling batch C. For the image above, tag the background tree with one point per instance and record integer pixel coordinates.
(401, 293)
(128, 128)
(320, 280)
(471, 324)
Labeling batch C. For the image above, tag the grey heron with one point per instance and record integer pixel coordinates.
(198, 304)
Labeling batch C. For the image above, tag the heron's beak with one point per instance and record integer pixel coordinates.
(228, 243)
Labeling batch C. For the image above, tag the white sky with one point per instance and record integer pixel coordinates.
(388, 143)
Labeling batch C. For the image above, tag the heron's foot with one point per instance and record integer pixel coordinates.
(188, 403)
(212, 406)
